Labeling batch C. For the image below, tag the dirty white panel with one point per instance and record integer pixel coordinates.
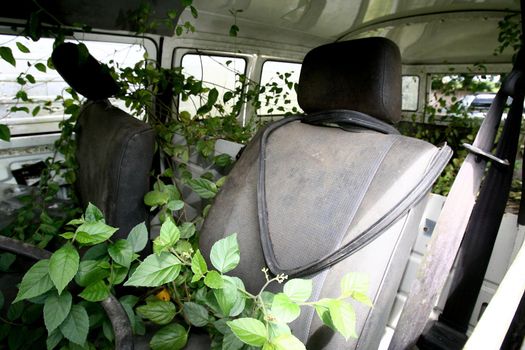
(508, 241)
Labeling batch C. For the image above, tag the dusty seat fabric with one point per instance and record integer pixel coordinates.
(325, 185)
(114, 155)
(114, 150)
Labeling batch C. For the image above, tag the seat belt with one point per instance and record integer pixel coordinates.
(478, 241)
(451, 225)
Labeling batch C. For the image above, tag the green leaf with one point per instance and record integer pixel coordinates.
(198, 266)
(49, 63)
(194, 12)
(30, 78)
(35, 282)
(186, 3)
(6, 260)
(7, 55)
(223, 160)
(138, 237)
(158, 311)
(298, 290)
(322, 309)
(284, 309)
(278, 329)
(175, 205)
(5, 133)
(187, 230)
(56, 309)
(229, 299)
(213, 95)
(155, 271)
(196, 314)
(234, 29)
(35, 111)
(240, 301)
(63, 266)
(355, 285)
(15, 311)
(288, 342)
(343, 318)
(95, 292)
(213, 280)
(184, 247)
(170, 337)
(22, 47)
(230, 340)
(269, 346)
(228, 95)
(53, 339)
(225, 254)
(128, 302)
(203, 187)
(91, 271)
(117, 274)
(156, 198)
(93, 214)
(249, 330)
(76, 325)
(91, 233)
(121, 252)
(83, 53)
(41, 67)
(362, 298)
(2, 300)
(169, 235)
(107, 329)
(76, 222)
(172, 14)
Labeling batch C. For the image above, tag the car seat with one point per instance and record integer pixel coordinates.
(334, 191)
(114, 150)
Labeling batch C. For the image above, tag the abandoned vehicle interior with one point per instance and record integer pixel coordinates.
(242, 174)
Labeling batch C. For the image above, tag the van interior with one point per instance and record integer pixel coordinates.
(241, 174)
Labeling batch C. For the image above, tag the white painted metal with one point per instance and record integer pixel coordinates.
(493, 325)
(508, 242)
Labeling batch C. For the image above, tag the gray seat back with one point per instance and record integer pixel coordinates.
(114, 155)
(114, 150)
(327, 186)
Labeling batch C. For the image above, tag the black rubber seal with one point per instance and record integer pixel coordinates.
(344, 120)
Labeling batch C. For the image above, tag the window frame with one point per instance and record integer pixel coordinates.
(180, 52)
(278, 60)
(417, 90)
(43, 125)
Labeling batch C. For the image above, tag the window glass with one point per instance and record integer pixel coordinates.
(462, 94)
(409, 92)
(279, 79)
(218, 72)
(48, 84)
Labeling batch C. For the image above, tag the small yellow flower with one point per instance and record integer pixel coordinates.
(163, 295)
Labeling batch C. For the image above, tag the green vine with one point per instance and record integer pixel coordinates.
(184, 293)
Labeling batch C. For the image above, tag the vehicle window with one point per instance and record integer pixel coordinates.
(279, 79)
(220, 72)
(463, 94)
(43, 85)
(409, 92)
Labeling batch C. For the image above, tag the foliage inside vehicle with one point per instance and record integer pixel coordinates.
(87, 265)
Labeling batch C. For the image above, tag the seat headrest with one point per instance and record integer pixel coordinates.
(83, 72)
(363, 75)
